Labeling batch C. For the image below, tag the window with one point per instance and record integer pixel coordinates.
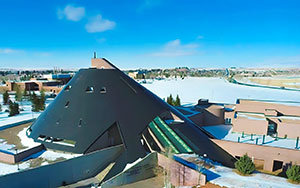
(67, 104)
(67, 88)
(277, 165)
(80, 122)
(111, 137)
(89, 89)
(103, 90)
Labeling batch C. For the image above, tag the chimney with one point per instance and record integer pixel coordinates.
(95, 55)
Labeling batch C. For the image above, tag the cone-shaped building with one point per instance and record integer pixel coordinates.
(103, 107)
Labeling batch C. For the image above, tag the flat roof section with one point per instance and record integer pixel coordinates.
(224, 132)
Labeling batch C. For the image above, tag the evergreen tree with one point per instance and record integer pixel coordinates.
(34, 101)
(170, 100)
(13, 108)
(19, 94)
(38, 102)
(293, 173)
(173, 102)
(42, 100)
(5, 98)
(0, 108)
(245, 165)
(25, 94)
(177, 101)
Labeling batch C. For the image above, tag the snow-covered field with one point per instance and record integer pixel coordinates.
(216, 90)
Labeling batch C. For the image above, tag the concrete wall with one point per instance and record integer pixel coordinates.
(180, 175)
(7, 157)
(100, 63)
(211, 115)
(273, 111)
(65, 172)
(259, 107)
(266, 153)
(24, 154)
(143, 169)
(214, 115)
(250, 126)
(289, 129)
(12, 158)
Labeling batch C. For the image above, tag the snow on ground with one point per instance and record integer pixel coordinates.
(129, 165)
(228, 178)
(6, 147)
(224, 176)
(224, 132)
(24, 115)
(25, 141)
(53, 155)
(7, 168)
(216, 90)
(49, 154)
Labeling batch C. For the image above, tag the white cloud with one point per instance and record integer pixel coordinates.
(98, 24)
(8, 51)
(71, 13)
(176, 48)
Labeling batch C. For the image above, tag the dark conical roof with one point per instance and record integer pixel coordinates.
(103, 107)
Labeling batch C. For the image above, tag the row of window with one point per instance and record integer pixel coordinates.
(89, 89)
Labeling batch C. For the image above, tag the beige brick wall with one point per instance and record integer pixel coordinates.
(250, 126)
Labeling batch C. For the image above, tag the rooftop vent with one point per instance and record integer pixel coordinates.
(89, 89)
(103, 90)
(68, 87)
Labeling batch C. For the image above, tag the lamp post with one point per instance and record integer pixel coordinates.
(16, 156)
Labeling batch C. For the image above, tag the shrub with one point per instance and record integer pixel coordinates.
(245, 165)
(293, 173)
(5, 97)
(13, 108)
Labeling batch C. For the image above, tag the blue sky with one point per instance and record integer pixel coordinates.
(150, 33)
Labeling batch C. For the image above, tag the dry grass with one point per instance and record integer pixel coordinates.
(294, 182)
(239, 173)
(38, 161)
(10, 135)
(279, 82)
(210, 185)
(275, 173)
